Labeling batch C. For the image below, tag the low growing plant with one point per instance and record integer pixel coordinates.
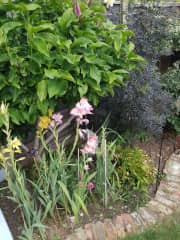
(134, 174)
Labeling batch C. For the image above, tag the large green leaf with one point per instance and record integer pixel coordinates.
(27, 7)
(130, 47)
(90, 58)
(15, 115)
(95, 73)
(118, 42)
(111, 77)
(41, 45)
(83, 90)
(42, 27)
(72, 58)
(42, 90)
(57, 87)
(93, 84)
(81, 42)
(54, 73)
(66, 19)
(98, 44)
(8, 26)
(43, 106)
(4, 57)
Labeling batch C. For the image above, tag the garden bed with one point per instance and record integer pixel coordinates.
(152, 146)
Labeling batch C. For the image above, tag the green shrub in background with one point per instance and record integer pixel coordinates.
(170, 82)
(47, 53)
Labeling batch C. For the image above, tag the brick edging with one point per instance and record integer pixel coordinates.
(164, 203)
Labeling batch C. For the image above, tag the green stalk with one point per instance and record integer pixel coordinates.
(75, 142)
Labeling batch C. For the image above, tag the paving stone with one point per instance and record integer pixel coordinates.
(119, 225)
(138, 219)
(89, 231)
(72, 237)
(129, 223)
(148, 216)
(174, 157)
(164, 200)
(173, 178)
(98, 231)
(80, 234)
(172, 168)
(158, 207)
(169, 187)
(174, 197)
(110, 230)
(174, 185)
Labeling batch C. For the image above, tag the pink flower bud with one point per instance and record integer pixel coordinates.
(90, 186)
(77, 9)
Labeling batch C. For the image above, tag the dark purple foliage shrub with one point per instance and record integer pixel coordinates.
(140, 104)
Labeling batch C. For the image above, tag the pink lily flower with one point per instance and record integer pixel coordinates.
(91, 145)
(82, 108)
(56, 119)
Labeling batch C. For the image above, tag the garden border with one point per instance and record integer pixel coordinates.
(165, 202)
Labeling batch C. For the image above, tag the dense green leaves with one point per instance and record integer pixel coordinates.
(46, 53)
(42, 90)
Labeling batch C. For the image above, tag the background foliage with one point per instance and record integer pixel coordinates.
(142, 102)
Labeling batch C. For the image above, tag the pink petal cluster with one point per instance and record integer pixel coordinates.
(90, 186)
(77, 9)
(81, 109)
(56, 119)
(91, 145)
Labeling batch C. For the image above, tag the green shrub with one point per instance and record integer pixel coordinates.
(134, 173)
(47, 52)
(170, 82)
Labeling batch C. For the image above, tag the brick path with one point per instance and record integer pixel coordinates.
(166, 201)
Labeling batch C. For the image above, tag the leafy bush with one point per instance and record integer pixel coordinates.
(140, 104)
(47, 52)
(134, 173)
(170, 82)
(152, 30)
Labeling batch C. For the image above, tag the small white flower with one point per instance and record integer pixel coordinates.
(86, 167)
(109, 3)
(90, 159)
(81, 214)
